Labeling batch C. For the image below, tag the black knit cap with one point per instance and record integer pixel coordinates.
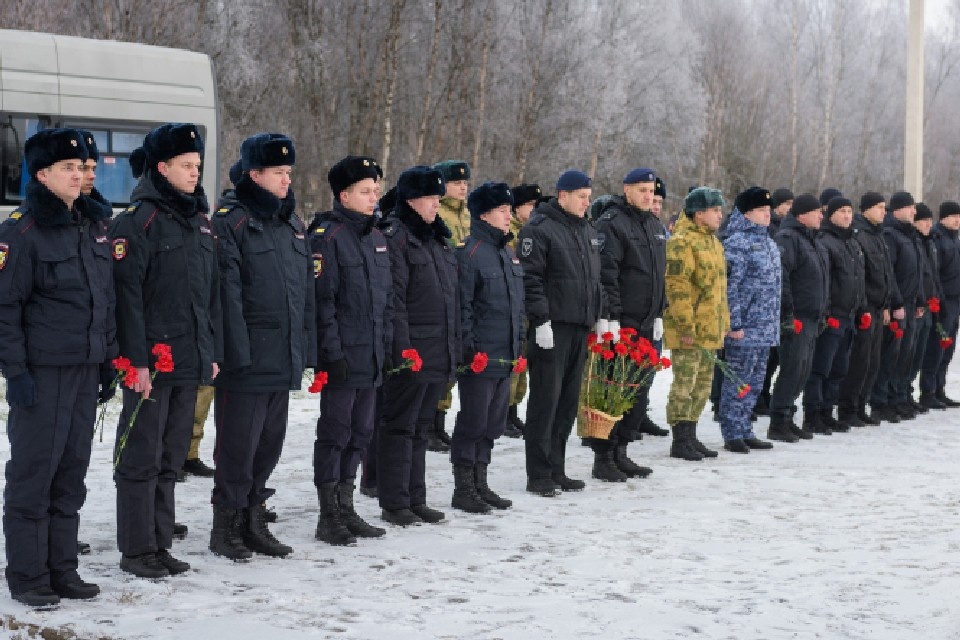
(828, 194)
(836, 203)
(949, 208)
(49, 146)
(780, 196)
(923, 212)
(870, 199)
(804, 203)
(901, 199)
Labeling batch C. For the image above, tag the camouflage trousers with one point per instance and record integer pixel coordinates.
(750, 363)
(518, 387)
(447, 400)
(692, 379)
(204, 399)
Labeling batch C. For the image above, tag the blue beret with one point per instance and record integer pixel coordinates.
(488, 196)
(640, 175)
(48, 146)
(572, 180)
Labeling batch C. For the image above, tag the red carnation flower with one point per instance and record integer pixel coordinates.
(934, 304)
(743, 390)
(607, 354)
(797, 326)
(865, 321)
(121, 363)
(607, 336)
(945, 343)
(898, 334)
(319, 379)
(521, 365)
(665, 363)
(621, 349)
(596, 347)
(591, 338)
(833, 323)
(131, 377)
(479, 362)
(894, 326)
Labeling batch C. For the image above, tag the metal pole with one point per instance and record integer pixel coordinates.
(913, 140)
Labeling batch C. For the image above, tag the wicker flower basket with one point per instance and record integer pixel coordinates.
(593, 423)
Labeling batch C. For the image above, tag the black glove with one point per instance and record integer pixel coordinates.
(337, 371)
(107, 376)
(21, 391)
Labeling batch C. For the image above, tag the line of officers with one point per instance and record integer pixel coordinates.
(250, 299)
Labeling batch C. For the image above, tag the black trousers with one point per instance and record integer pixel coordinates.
(796, 358)
(409, 408)
(555, 377)
(924, 330)
(896, 357)
(344, 430)
(933, 373)
(368, 462)
(44, 490)
(147, 473)
(481, 420)
(864, 365)
(773, 362)
(251, 428)
(831, 360)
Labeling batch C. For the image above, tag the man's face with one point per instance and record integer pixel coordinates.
(657, 207)
(951, 222)
(276, 180)
(498, 218)
(575, 202)
(361, 196)
(811, 219)
(426, 207)
(924, 226)
(783, 208)
(710, 218)
(63, 179)
(182, 171)
(523, 211)
(842, 217)
(906, 214)
(875, 214)
(457, 189)
(88, 175)
(760, 216)
(640, 195)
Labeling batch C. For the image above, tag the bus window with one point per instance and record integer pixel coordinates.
(13, 172)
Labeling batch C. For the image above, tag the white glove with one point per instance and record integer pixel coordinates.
(614, 328)
(601, 327)
(544, 336)
(657, 328)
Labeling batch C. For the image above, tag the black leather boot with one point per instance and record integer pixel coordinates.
(604, 468)
(351, 520)
(257, 536)
(465, 496)
(488, 495)
(699, 446)
(682, 447)
(628, 466)
(437, 438)
(779, 430)
(226, 535)
(330, 527)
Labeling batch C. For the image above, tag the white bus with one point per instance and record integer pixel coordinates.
(116, 90)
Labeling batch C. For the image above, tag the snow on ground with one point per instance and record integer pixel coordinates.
(845, 537)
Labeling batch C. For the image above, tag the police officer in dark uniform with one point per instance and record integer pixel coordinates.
(427, 318)
(936, 359)
(57, 334)
(491, 311)
(633, 268)
(269, 339)
(354, 294)
(560, 253)
(168, 292)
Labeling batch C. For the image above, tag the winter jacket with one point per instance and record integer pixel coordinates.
(847, 297)
(425, 293)
(948, 247)
(774, 228)
(167, 281)
(879, 281)
(266, 290)
(931, 267)
(633, 261)
(753, 283)
(560, 253)
(805, 292)
(56, 284)
(906, 256)
(696, 288)
(491, 299)
(457, 218)
(354, 292)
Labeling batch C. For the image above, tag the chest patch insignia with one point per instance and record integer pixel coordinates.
(317, 264)
(382, 249)
(298, 236)
(101, 239)
(206, 230)
(4, 251)
(119, 249)
(515, 260)
(526, 247)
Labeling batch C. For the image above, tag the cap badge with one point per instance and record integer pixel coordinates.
(73, 143)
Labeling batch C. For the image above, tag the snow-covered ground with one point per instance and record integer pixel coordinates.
(851, 536)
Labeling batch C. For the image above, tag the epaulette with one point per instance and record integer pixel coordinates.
(461, 244)
(132, 209)
(536, 219)
(222, 211)
(321, 228)
(610, 213)
(15, 216)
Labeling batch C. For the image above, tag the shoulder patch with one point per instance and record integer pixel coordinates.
(4, 252)
(317, 264)
(526, 247)
(119, 249)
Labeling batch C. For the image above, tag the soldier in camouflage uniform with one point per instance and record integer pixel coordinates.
(753, 296)
(696, 319)
(453, 212)
(524, 198)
